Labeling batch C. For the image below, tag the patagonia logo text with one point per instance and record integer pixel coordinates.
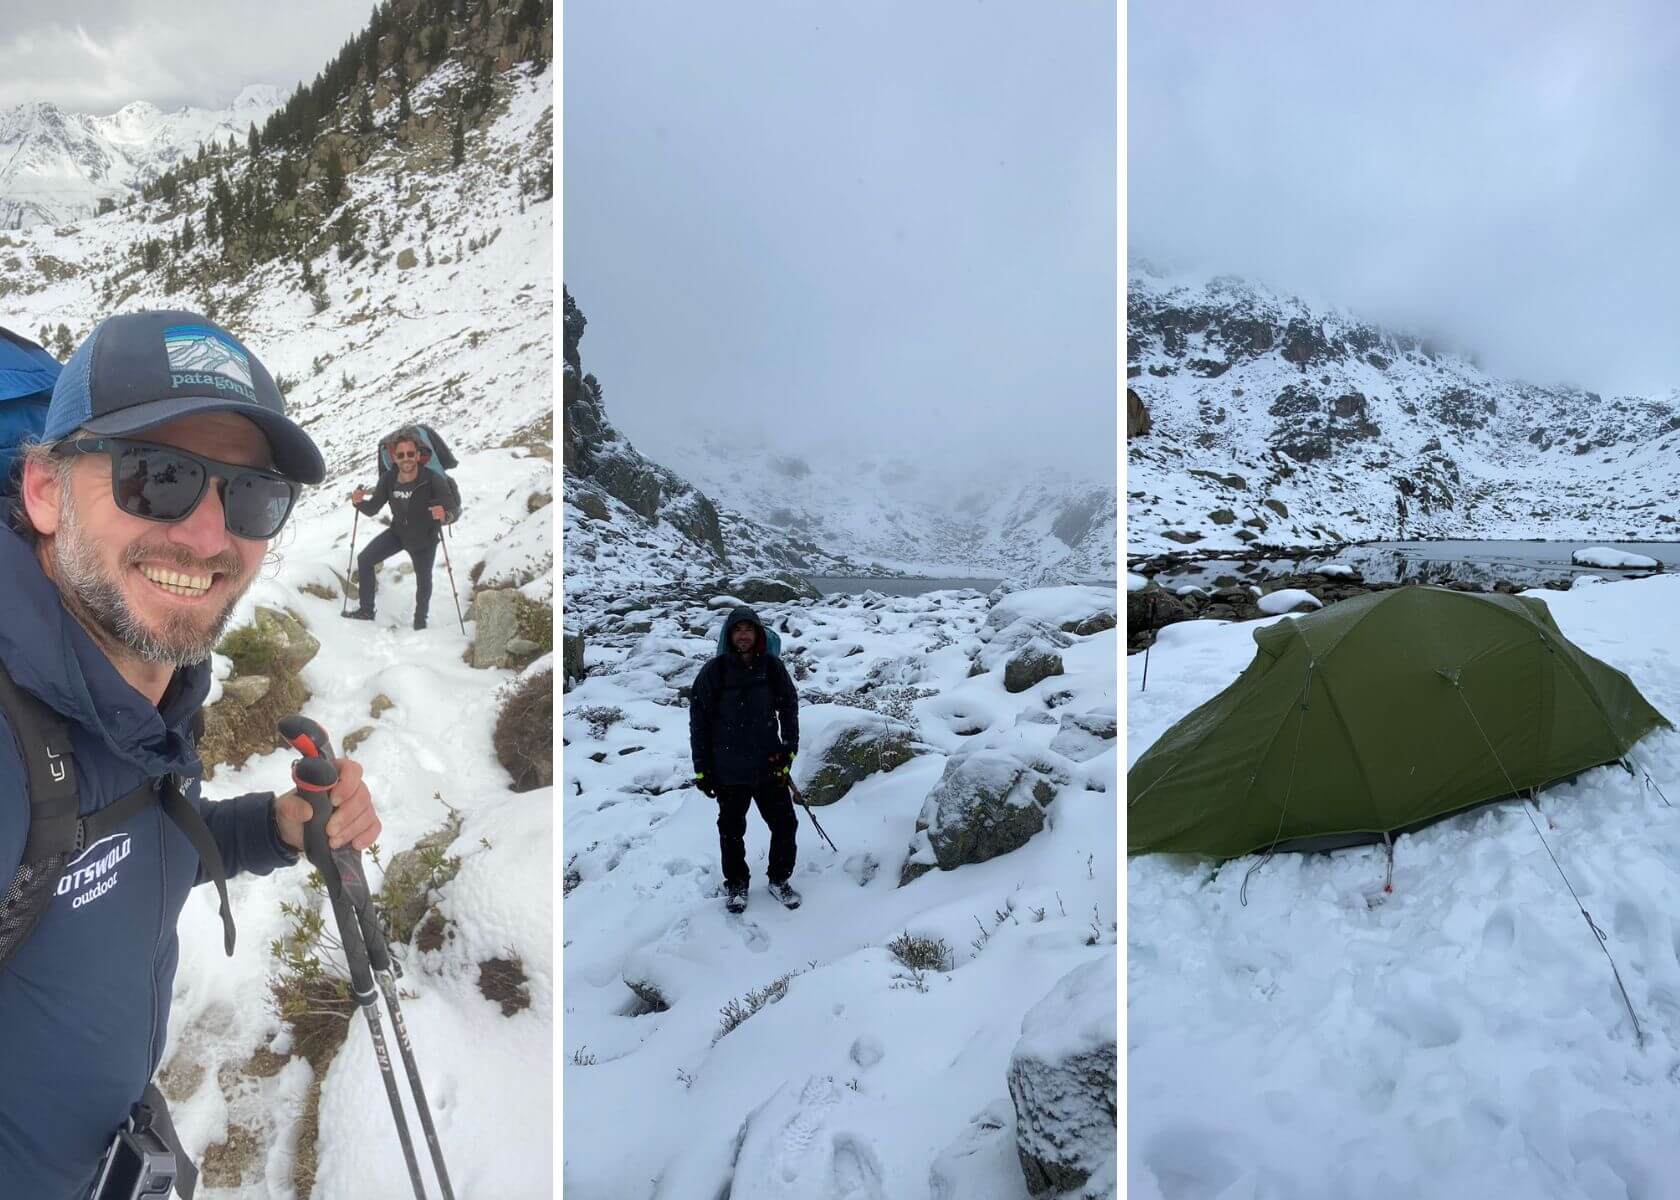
(200, 356)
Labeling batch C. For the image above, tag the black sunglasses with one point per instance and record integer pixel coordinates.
(161, 483)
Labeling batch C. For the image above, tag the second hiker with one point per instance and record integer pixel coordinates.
(743, 726)
(422, 503)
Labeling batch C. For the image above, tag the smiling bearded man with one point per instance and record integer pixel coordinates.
(167, 466)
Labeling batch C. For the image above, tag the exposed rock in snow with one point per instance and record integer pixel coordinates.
(843, 746)
(988, 803)
(1030, 666)
(1062, 1079)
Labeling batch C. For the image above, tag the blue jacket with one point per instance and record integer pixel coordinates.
(84, 1002)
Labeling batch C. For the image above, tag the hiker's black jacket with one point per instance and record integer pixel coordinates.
(411, 504)
(739, 714)
(84, 1000)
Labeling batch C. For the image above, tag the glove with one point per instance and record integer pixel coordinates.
(781, 764)
(707, 788)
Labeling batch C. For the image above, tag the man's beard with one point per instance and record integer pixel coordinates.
(96, 599)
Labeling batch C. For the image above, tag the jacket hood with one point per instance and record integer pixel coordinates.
(49, 654)
(736, 616)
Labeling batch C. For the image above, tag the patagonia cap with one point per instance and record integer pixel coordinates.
(137, 371)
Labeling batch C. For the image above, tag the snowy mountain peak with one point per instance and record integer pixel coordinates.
(56, 166)
(1278, 421)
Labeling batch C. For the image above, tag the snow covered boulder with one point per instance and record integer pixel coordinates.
(1031, 665)
(1085, 735)
(1609, 559)
(1062, 1078)
(765, 589)
(1061, 607)
(1288, 600)
(496, 623)
(844, 746)
(672, 659)
(987, 803)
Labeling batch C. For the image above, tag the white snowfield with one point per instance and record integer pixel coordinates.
(1608, 558)
(1462, 1036)
(864, 1080)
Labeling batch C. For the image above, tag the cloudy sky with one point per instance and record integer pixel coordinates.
(98, 55)
(854, 228)
(1507, 171)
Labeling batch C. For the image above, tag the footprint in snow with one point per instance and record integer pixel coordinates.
(1499, 932)
(1629, 923)
(752, 934)
(791, 1150)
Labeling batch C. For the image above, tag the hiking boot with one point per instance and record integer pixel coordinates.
(780, 891)
(735, 897)
(358, 614)
(419, 622)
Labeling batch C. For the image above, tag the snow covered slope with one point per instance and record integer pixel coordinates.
(1005, 522)
(856, 1074)
(56, 166)
(1462, 1036)
(1278, 423)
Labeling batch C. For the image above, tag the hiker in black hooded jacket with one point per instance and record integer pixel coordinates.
(743, 728)
(422, 503)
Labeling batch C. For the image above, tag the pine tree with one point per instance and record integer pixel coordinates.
(458, 140)
(65, 344)
(44, 338)
(211, 233)
(403, 110)
(364, 115)
(186, 234)
(308, 274)
(333, 185)
(251, 139)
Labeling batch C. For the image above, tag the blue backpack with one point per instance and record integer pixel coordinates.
(27, 374)
(434, 456)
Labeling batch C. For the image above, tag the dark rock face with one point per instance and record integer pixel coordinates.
(1138, 423)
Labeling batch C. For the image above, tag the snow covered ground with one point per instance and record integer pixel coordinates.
(865, 1079)
(487, 1076)
(1462, 1036)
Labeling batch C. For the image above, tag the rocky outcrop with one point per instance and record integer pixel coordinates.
(594, 453)
(1138, 423)
(413, 876)
(266, 657)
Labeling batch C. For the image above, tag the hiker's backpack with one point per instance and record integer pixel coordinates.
(772, 640)
(27, 374)
(57, 831)
(434, 456)
(434, 451)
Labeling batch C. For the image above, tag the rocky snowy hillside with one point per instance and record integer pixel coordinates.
(1007, 522)
(57, 166)
(630, 519)
(392, 270)
(939, 1018)
(1275, 423)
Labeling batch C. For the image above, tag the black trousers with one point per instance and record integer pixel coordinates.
(775, 805)
(383, 547)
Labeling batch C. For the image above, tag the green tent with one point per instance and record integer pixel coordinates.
(1377, 715)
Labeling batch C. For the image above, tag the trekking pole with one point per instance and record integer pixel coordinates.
(351, 565)
(364, 941)
(450, 567)
(800, 796)
(1145, 686)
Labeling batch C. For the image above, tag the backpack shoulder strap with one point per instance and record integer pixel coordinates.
(44, 741)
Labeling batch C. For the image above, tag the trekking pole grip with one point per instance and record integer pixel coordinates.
(341, 869)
